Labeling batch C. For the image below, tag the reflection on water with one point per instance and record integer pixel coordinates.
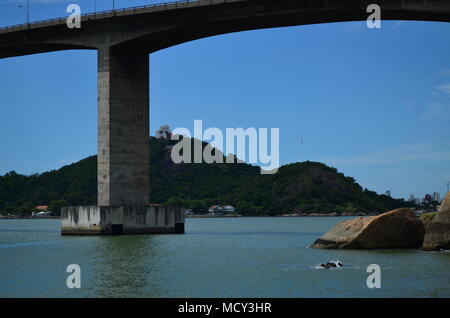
(126, 271)
(241, 257)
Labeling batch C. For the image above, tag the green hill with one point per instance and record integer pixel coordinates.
(310, 187)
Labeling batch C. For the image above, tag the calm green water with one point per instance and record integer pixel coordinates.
(242, 257)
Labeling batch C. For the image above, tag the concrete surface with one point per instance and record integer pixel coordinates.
(109, 220)
(123, 128)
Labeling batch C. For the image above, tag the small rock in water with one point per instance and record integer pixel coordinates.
(331, 264)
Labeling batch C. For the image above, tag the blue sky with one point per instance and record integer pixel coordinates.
(374, 103)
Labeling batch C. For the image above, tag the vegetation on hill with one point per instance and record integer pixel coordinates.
(308, 187)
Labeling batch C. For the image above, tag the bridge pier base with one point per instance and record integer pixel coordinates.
(108, 220)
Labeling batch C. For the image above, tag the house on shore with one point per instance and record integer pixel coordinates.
(218, 209)
(215, 209)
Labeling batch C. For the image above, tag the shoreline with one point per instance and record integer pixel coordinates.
(205, 216)
(28, 217)
(198, 216)
(208, 216)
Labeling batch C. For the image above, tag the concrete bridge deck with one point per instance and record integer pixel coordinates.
(170, 5)
(155, 27)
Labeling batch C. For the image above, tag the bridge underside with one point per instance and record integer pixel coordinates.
(36, 48)
(212, 26)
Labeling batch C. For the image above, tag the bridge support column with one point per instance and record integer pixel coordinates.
(123, 156)
(123, 127)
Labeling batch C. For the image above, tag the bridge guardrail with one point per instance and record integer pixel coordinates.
(122, 11)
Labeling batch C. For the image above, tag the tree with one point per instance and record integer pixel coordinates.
(26, 209)
(199, 206)
(176, 202)
(307, 186)
(10, 209)
(243, 207)
(55, 206)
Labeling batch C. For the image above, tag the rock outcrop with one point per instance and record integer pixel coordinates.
(399, 228)
(437, 233)
(445, 205)
(426, 218)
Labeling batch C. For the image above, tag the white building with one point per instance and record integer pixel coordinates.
(44, 214)
(164, 132)
(221, 209)
(228, 209)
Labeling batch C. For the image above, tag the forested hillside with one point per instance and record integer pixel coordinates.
(309, 187)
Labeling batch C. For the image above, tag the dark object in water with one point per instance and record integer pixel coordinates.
(331, 264)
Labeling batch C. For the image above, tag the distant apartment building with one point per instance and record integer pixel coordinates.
(436, 197)
(428, 198)
(388, 193)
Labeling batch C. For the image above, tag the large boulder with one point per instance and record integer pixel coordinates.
(437, 233)
(399, 228)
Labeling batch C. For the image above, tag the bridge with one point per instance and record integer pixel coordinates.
(124, 38)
